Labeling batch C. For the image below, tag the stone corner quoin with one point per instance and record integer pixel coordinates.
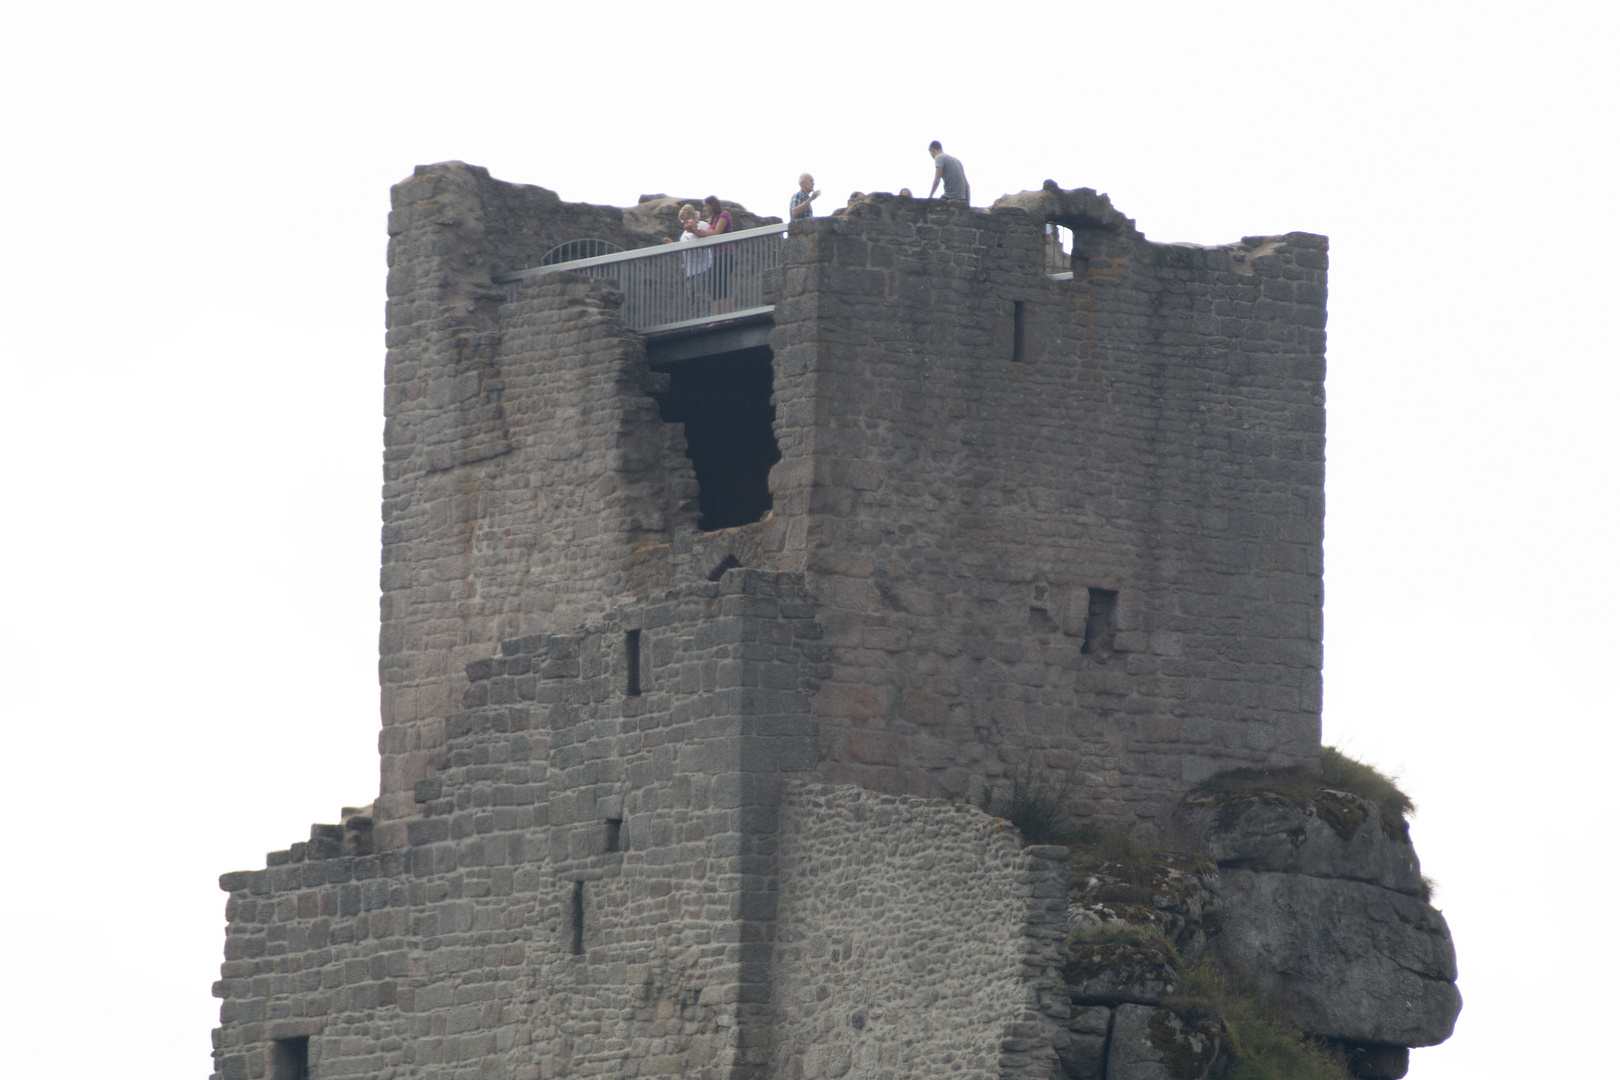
(697, 640)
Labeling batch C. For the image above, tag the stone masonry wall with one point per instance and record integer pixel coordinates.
(962, 513)
(1099, 560)
(651, 814)
(914, 938)
(592, 886)
(528, 481)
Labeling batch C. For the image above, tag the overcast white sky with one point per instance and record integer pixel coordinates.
(192, 304)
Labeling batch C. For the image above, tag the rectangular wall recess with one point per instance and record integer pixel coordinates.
(615, 834)
(1099, 640)
(1018, 332)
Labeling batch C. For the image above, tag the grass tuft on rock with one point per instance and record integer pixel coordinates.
(1340, 772)
(1039, 808)
(1260, 1044)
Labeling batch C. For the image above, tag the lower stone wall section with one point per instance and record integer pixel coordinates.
(914, 938)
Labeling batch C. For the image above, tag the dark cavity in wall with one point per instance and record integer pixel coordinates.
(289, 1059)
(632, 663)
(1099, 639)
(725, 403)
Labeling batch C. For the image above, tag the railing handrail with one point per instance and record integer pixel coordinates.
(638, 253)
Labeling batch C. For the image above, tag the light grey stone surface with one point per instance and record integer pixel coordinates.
(1344, 959)
(914, 938)
(1114, 972)
(1084, 1054)
(1333, 835)
(1156, 1044)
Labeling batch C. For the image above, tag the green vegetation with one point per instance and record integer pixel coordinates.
(1346, 773)
(1340, 771)
(1039, 808)
(1260, 1044)
(1257, 1041)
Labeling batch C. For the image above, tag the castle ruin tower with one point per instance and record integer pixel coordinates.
(717, 578)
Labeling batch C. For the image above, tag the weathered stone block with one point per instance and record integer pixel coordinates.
(1335, 834)
(1344, 959)
(1157, 1044)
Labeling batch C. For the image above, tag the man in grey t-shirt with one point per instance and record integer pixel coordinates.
(950, 170)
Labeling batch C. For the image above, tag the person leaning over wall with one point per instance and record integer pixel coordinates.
(949, 170)
(799, 209)
(719, 223)
(696, 262)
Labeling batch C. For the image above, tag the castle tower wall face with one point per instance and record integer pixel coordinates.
(525, 463)
(1073, 525)
(1067, 526)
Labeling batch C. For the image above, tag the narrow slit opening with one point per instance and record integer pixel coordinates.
(632, 663)
(615, 833)
(577, 947)
(1018, 332)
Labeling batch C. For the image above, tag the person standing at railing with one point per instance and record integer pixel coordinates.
(950, 170)
(799, 208)
(697, 263)
(720, 273)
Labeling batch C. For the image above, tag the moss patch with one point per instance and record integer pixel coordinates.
(1185, 1045)
(1133, 955)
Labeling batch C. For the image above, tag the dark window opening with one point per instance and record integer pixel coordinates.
(1099, 640)
(632, 663)
(289, 1059)
(578, 945)
(615, 830)
(730, 562)
(1018, 331)
(725, 404)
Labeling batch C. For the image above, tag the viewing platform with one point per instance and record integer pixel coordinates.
(678, 286)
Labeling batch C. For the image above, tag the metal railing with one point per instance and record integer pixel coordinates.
(682, 284)
(587, 248)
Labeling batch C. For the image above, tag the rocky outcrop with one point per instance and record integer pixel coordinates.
(1134, 918)
(1343, 959)
(1324, 909)
(1315, 900)
(1333, 835)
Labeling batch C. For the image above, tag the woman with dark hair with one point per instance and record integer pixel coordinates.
(720, 275)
